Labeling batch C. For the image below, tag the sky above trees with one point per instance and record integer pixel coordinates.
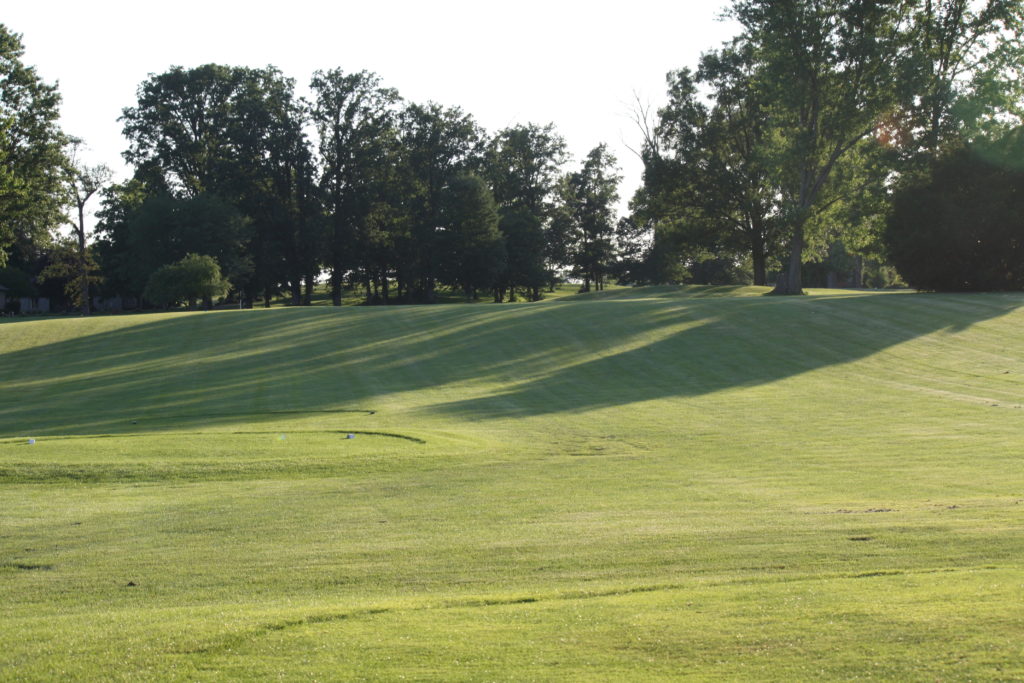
(574, 64)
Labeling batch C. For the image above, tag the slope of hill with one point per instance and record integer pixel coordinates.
(641, 483)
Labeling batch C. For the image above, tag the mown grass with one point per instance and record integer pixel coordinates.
(636, 484)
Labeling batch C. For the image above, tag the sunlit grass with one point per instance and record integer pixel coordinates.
(639, 484)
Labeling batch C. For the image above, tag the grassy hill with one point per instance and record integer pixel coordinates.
(642, 483)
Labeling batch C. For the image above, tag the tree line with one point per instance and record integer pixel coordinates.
(352, 184)
(798, 146)
(392, 197)
(809, 145)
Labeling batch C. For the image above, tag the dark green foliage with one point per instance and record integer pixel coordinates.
(584, 229)
(75, 268)
(273, 184)
(235, 133)
(193, 278)
(17, 281)
(183, 132)
(706, 177)
(961, 227)
(525, 270)
(141, 235)
(470, 248)
(829, 71)
(381, 202)
(356, 121)
(522, 165)
(439, 143)
(32, 159)
(718, 271)
(776, 136)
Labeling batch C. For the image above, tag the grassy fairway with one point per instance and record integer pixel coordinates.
(645, 484)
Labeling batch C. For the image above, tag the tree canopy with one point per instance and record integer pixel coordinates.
(782, 154)
(960, 227)
(32, 159)
(795, 132)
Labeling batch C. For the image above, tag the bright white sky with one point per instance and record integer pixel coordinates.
(574, 64)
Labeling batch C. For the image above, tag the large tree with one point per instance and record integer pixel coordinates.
(960, 226)
(706, 177)
(830, 71)
(182, 130)
(523, 165)
(439, 143)
(273, 183)
(84, 181)
(236, 134)
(585, 228)
(470, 246)
(356, 121)
(32, 159)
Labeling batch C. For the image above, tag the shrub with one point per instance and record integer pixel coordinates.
(961, 226)
(195, 277)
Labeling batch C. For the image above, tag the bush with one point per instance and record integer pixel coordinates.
(961, 227)
(195, 277)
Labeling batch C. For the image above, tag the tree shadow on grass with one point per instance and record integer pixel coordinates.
(738, 343)
(165, 372)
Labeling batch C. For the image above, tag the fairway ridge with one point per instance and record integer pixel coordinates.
(797, 488)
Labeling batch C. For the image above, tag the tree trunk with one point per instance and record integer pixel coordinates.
(759, 258)
(760, 270)
(267, 295)
(790, 281)
(335, 286)
(307, 299)
(83, 265)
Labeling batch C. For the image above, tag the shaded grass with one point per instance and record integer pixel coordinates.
(651, 486)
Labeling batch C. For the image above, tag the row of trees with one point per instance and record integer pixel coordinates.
(789, 143)
(396, 198)
(353, 184)
(41, 179)
(815, 135)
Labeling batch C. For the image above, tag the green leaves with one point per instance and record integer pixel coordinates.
(961, 227)
(31, 150)
(587, 219)
(195, 277)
